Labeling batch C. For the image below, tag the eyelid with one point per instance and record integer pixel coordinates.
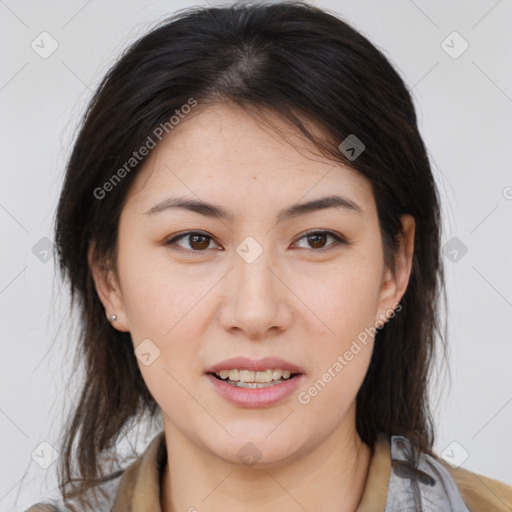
(175, 238)
(339, 239)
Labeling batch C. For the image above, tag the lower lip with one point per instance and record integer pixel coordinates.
(257, 397)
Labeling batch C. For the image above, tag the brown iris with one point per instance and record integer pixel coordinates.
(316, 236)
(203, 242)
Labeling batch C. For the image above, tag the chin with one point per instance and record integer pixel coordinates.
(258, 451)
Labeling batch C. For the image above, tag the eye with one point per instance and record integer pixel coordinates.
(198, 242)
(317, 239)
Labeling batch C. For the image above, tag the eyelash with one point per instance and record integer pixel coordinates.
(339, 240)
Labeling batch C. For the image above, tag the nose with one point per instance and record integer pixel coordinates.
(257, 301)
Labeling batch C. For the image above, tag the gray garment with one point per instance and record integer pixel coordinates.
(419, 483)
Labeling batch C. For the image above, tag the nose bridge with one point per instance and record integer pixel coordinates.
(253, 278)
(255, 300)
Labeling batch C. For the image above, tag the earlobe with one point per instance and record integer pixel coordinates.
(108, 291)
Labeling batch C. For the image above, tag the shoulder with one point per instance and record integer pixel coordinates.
(139, 481)
(481, 493)
(101, 497)
(417, 477)
(43, 507)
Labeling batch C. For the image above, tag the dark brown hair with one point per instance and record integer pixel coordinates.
(308, 66)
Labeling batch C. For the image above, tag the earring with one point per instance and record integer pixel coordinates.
(113, 318)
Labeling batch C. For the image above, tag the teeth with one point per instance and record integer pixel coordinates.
(255, 377)
(253, 385)
(265, 376)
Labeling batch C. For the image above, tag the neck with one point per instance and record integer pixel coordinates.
(330, 477)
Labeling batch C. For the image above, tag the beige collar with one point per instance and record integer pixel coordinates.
(139, 489)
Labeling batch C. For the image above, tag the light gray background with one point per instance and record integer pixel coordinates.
(464, 107)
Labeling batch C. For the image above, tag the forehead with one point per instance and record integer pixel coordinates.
(224, 152)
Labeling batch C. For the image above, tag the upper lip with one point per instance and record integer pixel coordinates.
(245, 363)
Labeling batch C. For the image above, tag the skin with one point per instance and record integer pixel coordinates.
(294, 301)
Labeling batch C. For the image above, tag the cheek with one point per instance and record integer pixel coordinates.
(167, 312)
(157, 295)
(331, 393)
(345, 299)
(343, 351)
(171, 390)
(165, 306)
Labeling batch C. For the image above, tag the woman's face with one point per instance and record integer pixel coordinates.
(251, 283)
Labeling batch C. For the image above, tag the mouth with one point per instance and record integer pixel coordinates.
(250, 383)
(247, 393)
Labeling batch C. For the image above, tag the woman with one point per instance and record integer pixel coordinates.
(251, 229)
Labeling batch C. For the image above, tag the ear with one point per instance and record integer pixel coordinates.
(108, 290)
(394, 284)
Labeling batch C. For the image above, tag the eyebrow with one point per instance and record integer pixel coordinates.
(215, 211)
